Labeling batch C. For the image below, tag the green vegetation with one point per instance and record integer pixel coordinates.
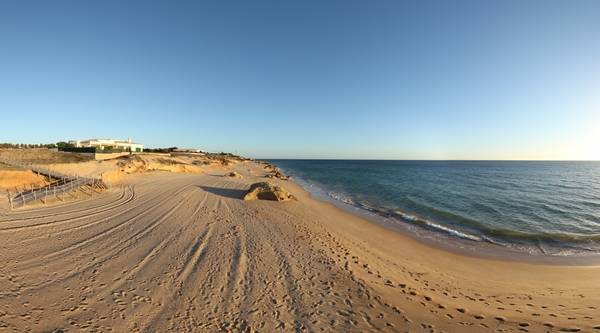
(62, 145)
(160, 150)
(27, 145)
(43, 156)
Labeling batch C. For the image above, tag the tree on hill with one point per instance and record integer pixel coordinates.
(63, 144)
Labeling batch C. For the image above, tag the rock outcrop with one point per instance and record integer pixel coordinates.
(234, 174)
(267, 191)
(278, 174)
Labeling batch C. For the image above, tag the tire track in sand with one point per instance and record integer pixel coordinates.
(24, 214)
(151, 255)
(188, 267)
(238, 267)
(90, 240)
(102, 209)
(90, 224)
(131, 241)
(14, 216)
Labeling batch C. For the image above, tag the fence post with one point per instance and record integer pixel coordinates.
(9, 199)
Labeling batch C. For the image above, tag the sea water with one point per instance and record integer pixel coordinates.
(548, 208)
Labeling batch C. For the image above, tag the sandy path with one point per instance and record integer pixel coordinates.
(183, 253)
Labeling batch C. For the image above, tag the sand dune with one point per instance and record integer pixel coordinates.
(185, 253)
(12, 179)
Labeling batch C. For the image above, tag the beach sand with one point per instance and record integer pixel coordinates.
(184, 253)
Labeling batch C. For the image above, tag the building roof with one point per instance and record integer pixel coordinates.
(114, 140)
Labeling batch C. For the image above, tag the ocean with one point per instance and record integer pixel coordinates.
(549, 208)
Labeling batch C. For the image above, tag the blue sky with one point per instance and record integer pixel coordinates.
(308, 79)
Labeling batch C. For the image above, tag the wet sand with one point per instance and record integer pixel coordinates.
(183, 253)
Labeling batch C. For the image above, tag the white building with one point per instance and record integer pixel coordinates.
(126, 145)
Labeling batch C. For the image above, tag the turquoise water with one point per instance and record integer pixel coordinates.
(539, 207)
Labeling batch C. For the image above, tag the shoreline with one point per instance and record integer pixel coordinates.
(445, 241)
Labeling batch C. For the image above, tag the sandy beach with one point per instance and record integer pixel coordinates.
(182, 252)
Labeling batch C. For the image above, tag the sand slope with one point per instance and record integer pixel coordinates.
(185, 253)
(11, 179)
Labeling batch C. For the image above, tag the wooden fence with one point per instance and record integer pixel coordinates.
(60, 185)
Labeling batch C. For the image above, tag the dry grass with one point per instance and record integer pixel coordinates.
(43, 156)
(8, 167)
(12, 179)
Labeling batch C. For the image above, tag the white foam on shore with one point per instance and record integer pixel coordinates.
(341, 198)
(406, 217)
(454, 232)
(415, 223)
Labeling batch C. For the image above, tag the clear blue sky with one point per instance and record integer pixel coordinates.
(325, 79)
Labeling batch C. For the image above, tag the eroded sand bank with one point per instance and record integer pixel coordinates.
(184, 253)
